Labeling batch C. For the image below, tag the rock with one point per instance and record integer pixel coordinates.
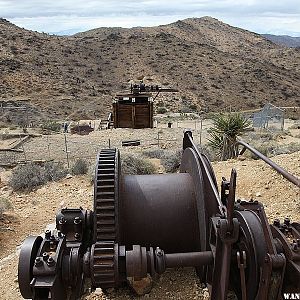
(98, 291)
(258, 194)
(141, 287)
(69, 176)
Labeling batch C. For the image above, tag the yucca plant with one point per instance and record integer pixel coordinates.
(223, 134)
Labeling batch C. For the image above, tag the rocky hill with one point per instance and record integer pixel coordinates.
(214, 65)
(284, 40)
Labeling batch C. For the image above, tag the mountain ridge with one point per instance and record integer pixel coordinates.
(214, 65)
(284, 40)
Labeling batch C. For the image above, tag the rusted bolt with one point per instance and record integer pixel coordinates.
(295, 247)
(47, 234)
(266, 260)
(77, 220)
(45, 256)
(52, 246)
(62, 221)
(287, 221)
(159, 252)
(77, 236)
(50, 261)
(38, 262)
(276, 222)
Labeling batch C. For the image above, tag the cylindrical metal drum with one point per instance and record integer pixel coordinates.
(159, 210)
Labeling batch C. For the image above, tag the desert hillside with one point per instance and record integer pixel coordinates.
(214, 66)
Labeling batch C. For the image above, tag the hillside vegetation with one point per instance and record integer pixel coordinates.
(214, 66)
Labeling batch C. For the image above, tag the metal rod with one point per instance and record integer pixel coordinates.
(295, 180)
(189, 259)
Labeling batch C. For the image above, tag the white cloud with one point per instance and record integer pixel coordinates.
(54, 16)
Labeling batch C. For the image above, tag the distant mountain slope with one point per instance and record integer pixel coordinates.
(214, 65)
(284, 40)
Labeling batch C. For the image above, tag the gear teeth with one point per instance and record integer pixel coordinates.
(104, 195)
(103, 268)
(103, 265)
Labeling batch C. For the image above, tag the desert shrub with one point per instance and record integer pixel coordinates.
(30, 176)
(51, 126)
(264, 149)
(286, 149)
(224, 132)
(208, 151)
(27, 177)
(161, 110)
(193, 107)
(271, 149)
(4, 205)
(171, 161)
(154, 153)
(54, 171)
(80, 167)
(136, 165)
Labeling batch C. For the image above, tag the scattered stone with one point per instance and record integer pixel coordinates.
(98, 291)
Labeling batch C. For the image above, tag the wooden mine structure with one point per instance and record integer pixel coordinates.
(134, 109)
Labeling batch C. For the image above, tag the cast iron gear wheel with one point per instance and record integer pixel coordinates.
(104, 268)
(106, 195)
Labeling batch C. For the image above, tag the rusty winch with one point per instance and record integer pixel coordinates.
(141, 225)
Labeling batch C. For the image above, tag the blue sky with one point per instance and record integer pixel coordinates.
(66, 16)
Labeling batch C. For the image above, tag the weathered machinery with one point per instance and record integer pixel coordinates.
(143, 224)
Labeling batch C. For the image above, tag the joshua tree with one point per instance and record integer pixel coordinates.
(223, 134)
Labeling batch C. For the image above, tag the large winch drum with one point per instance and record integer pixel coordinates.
(159, 210)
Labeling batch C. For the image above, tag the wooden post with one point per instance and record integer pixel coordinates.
(66, 149)
(49, 156)
(200, 133)
(133, 115)
(23, 149)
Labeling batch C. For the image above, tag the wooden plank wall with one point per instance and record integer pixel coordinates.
(134, 115)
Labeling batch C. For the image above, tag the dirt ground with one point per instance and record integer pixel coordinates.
(32, 212)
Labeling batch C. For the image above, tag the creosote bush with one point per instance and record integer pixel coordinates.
(271, 149)
(133, 164)
(154, 153)
(51, 126)
(54, 171)
(80, 167)
(161, 110)
(171, 161)
(30, 176)
(4, 205)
